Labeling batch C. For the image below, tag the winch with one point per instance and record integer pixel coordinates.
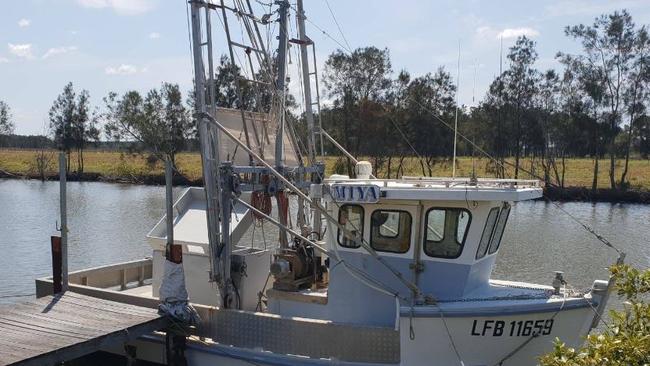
(297, 267)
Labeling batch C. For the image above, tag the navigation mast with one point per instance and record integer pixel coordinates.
(208, 137)
(309, 113)
(283, 40)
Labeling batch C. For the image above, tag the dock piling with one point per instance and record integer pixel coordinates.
(62, 265)
(57, 284)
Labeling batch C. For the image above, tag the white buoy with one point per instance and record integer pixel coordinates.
(363, 169)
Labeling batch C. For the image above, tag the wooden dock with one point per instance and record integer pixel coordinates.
(59, 328)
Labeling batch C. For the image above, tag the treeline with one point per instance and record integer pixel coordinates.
(595, 106)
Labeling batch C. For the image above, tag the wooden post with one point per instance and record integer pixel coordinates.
(64, 220)
(173, 252)
(57, 285)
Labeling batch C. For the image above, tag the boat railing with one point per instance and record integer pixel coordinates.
(114, 276)
(449, 182)
(309, 338)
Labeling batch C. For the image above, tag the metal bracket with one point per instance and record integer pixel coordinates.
(418, 266)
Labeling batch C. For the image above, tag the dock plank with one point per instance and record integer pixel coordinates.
(63, 327)
(88, 313)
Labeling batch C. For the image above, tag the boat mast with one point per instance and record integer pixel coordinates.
(453, 162)
(208, 137)
(304, 41)
(281, 93)
(309, 113)
(281, 80)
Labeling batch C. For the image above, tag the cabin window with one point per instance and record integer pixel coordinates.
(351, 218)
(498, 231)
(446, 231)
(390, 231)
(487, 233)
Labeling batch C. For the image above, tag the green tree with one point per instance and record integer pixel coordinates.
(364, 74)
(358, 83)
(510, 118)
(428, 97)
(159, 121)
(71, 124)
(226, 78)
(589, 98)
(6, 121)
(636, 95)
(519, 91)
(626, 341)
(643, 125)
(551, 126)
(609, 54)
(84, 127)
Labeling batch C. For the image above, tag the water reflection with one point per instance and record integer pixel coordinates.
(108, 224)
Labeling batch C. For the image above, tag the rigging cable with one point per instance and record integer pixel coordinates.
(590, 230)
(360, 274)
(324, 32)
(586, 227)
(189, 37)
(364, 244)
(337, 24)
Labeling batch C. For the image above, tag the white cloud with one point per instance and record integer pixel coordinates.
(24, 23)
(154, 35)
(4, 60)
(122, 7)
(484, 32)
(98, 4)
(518, 32)
(58, 51)
(487, 32)
(123, 69)
(21, 50)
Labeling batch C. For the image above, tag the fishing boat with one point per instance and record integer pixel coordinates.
(360, 270)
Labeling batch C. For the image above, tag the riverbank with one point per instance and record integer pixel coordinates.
(118, 167)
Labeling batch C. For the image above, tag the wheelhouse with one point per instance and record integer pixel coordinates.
(445, 232)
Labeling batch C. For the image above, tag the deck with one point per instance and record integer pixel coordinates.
(58, 328)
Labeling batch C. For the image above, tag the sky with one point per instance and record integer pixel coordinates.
(120, 45)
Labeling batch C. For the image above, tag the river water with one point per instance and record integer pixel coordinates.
(108, 224)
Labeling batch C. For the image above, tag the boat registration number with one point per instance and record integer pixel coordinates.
(520, 328)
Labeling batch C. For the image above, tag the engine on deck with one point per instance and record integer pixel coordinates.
(297, 267)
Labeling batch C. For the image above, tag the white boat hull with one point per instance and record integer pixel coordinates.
(477, 341)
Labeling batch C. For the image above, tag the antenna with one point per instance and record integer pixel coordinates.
(501, 57)
(474, 85)
(453, 163)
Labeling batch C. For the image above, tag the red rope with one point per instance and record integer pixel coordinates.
(283, 206)
(262, 202)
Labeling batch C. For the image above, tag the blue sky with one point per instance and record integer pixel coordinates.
(117, 45)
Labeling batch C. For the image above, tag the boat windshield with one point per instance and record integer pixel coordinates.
(390, 231)
(351, 218)
(446, 232)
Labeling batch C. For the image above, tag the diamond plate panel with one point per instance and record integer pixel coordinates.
(306, 337)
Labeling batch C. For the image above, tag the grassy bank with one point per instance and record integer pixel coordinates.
(134, 168)
(578, 173)
(100, 165)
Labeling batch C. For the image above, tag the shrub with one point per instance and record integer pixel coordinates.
(626, 341)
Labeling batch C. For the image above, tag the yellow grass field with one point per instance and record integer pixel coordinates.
(116, 165)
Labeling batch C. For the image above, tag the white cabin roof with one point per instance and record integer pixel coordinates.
(447, 189)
